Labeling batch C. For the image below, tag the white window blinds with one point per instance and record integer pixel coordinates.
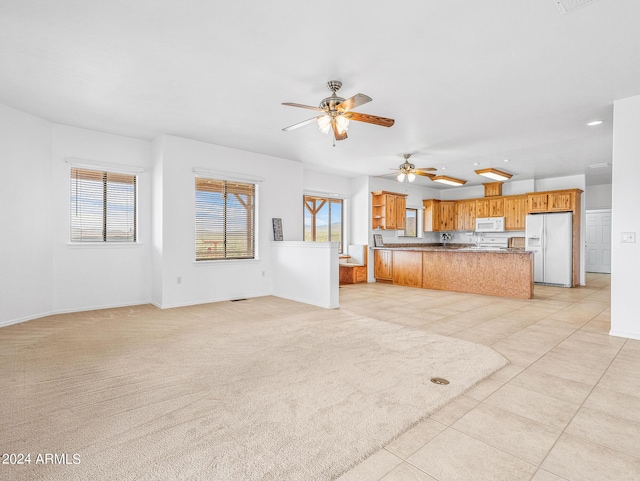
(103, 206)
(225, 219)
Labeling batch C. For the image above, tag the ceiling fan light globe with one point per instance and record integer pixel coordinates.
(411, 177)
(401, 177)
(324, 124)
(342, 124)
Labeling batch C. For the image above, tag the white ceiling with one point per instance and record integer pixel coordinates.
(466, 80)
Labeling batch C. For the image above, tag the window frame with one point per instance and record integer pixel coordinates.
(252, 218)
(413, 209)
(313, 212)
(104, 173)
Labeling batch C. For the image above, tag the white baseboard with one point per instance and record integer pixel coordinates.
(628, 335)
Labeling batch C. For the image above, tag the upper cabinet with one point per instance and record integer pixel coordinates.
(515, 212)
(388, 210)
(466, 213)
(538, 202)
(553, 201)
(439, 215)
(431, 215)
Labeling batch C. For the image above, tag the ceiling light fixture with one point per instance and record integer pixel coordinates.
(593, 123)
(494, 174)
(324, 124)
(443, 179)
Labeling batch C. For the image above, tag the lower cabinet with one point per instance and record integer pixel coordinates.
(383, 264)
(407, 268)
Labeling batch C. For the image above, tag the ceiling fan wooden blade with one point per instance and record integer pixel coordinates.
(301, 124)
(356, 101)
(336, 134)
(424, 174)
(292, 104)
(428, 169)
(370, 119)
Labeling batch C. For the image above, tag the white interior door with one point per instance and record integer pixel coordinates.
(599, 241)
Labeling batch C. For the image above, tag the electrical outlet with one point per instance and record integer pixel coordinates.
(263, 272)
(178, 280)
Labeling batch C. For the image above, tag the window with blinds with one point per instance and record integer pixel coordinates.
(103, 206)
(225, 219)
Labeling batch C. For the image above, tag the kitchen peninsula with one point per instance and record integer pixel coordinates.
(496, 272)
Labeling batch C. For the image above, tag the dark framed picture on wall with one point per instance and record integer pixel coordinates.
(277, 229)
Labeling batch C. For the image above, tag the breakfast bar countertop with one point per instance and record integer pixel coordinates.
(439, 247)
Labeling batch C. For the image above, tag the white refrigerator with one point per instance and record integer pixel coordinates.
(550, 237)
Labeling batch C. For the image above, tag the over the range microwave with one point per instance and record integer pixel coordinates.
(490, 224)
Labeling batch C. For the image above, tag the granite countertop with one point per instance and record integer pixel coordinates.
(439, 247)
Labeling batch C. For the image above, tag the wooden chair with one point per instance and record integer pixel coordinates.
(353, 268)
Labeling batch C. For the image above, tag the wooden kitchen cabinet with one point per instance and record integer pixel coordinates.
(439, 215)
(538, 202)
(388, 210)
(431, 215)
(482, 207)
(466, 214)
(515, 212)
(562, 201)
(496, 207)
(401, 212)
(447, 215)
(383, 264)
(407, 268)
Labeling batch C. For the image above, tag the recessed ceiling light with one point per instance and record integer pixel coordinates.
(494, 174)
(476, 163)
(443, 179)
(507, 160)
(593, 123)
(443, 168)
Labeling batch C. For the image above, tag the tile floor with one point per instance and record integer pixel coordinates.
(566, 408)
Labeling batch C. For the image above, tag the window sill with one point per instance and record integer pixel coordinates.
(104, 245)
(213, 262)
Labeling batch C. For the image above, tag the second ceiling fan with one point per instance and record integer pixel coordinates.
(336, 113)
(409, 171)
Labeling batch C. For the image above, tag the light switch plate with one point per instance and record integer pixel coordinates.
(629, 237)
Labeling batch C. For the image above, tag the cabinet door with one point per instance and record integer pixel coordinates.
(407, 268)
(465, 215)
(390, 215)
(431, 215)
(515, 212)
(447, 215)
(561, 201)
(482, 208)
(496, 207)
(538, 202)
(401, 213)
(382, 264)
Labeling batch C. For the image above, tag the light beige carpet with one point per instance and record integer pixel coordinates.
(264, 389)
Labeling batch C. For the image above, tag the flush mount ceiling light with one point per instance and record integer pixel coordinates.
(494, 174)
(443, 179)
(593, 123)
